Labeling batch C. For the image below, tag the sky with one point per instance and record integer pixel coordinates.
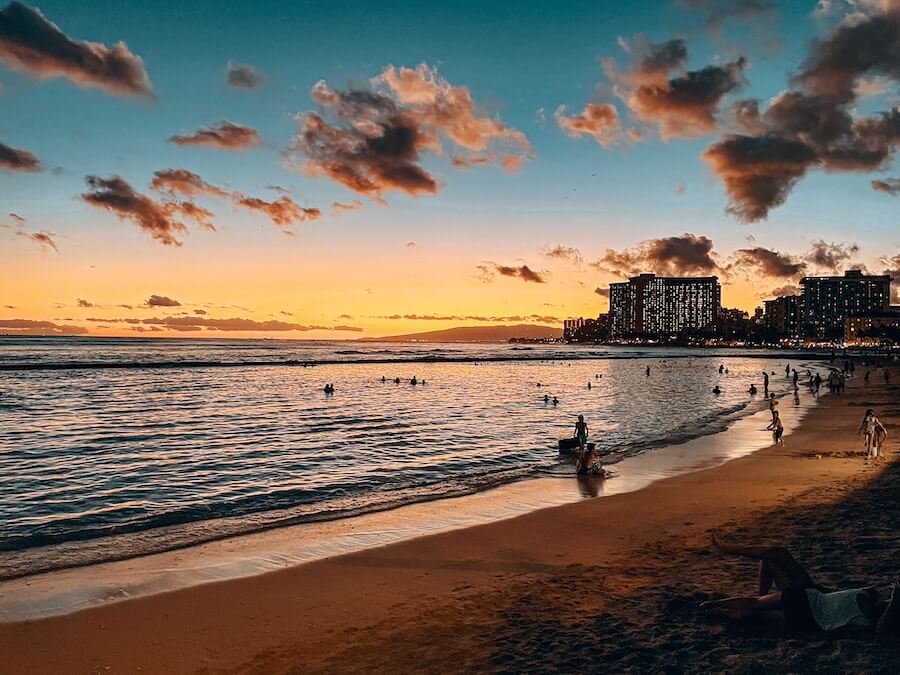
(345, 170)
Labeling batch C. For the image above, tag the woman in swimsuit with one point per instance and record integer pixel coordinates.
(788, 595)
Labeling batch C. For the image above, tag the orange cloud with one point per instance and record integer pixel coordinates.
(224, 135)
(600, 120)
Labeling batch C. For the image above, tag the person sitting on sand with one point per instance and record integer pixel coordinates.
(777, 429)
(787, 595)
(873, 430)
(581, 434)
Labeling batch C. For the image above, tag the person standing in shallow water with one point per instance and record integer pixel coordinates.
(581, 434)
(777, 429)
(773, 405)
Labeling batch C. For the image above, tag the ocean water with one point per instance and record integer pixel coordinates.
(116, 448)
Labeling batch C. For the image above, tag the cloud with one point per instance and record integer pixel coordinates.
(488, 270)
(42, 238)
(117, 196)
(162, 301)
(242, 76)
(284, 211)
(409, 244)
(685, 106)
(85, 303)
(224, 135)
(196, 323)
(892, 267)
(666, 256)
(31, 43)
(14, 159)
(198, 214)
(784, 290)
(339, 207)
(830, 257)
(29, 327)
(890, 186)
(182, 181)
(599, 120)
(537, 318)
(560, 252)
(375, 141)
(719, 11)
(815, 124)
(200, 311)
(602, 292)
(768, 262)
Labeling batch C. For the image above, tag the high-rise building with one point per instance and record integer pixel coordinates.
(571, 326)
(648, 305)
(783, 315)
(829, 301)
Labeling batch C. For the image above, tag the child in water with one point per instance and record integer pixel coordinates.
(581, 433)
(777, 428)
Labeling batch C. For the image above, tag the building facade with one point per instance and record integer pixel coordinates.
(829, 301)
(570, 327)
(647, 305)
(872, 330)
(782, 315)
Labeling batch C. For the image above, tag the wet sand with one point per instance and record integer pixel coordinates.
(608, 585)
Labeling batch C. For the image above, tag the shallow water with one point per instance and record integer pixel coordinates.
(99, 464)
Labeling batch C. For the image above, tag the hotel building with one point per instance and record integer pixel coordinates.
(648, 305)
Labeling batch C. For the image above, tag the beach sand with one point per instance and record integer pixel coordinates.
(605, 585)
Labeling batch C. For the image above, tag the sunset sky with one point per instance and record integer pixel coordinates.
(341, 170)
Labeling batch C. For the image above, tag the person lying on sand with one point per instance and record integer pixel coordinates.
(788, 595)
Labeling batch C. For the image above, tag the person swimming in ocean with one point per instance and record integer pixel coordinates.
(752, 390)
(555, 401)
(786, 594)
(546, 398)
(716, 390)
(414, 381)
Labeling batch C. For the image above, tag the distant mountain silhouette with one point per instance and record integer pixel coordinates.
(475, 334)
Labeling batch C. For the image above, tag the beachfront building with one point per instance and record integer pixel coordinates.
(571, 326)
(782, 315)
(829, 301)
(652, 306)
(872, 330)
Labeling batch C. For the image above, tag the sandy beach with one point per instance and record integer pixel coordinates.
(607, 585)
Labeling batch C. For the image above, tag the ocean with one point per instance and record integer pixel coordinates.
(113, 448)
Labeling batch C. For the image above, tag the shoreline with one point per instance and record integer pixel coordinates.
(257, 551)
(515, 582)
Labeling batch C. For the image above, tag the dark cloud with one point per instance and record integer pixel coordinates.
(784, 290)
(598, 120)
(892, 267)
(242, 76)
(31, 43)
(162, 301)
(561, 252)
(14, 159)
(768, 262)
(224, 135)
(890, 186)
(719, 11)
(489, 270)
(196, 323)
(378, 135)
(686, 105)
(29, 327)
(518, 318)
(200, 311)
(830, 257)
(85, 303)
(603, 292)
(815, 124)
(667, 256)
(117, 196)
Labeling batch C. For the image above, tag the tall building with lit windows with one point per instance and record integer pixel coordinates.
(829, 301)
(648, 305)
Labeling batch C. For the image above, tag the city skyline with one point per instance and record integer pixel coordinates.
(392, 174)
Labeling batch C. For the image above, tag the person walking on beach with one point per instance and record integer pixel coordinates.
(866, 378)
(773, 405)
(777, 429)
(765, 383)
(796, 377)
(648, 371)
(787, 370)
(581, 434)
(873, 430)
